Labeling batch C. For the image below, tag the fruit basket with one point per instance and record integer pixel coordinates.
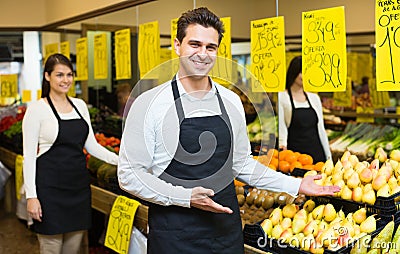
(255, 236)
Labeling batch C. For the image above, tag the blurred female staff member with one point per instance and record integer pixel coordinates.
(56, 128)
(301, 125)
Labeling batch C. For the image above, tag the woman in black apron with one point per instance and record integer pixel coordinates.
(62, 207)
(303, 135)
(175, 229)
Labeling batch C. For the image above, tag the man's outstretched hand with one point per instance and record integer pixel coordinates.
(201, 200)
(310, 188)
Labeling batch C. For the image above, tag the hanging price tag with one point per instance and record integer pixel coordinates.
(123, 54)
(100, 56)
(324, 50)
(64, 48)
(26, 96)
(9, 85)
(19, 162)
(268, 60)
(50, 49)
(81, 59)
(149, 49)
(120, 224)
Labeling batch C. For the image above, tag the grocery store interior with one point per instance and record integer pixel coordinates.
(356, 125)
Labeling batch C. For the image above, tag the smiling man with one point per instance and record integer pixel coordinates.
(183, 144)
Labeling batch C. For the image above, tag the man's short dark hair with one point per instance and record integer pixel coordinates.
(201, 16)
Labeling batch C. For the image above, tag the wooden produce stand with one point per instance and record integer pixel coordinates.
(102, 200)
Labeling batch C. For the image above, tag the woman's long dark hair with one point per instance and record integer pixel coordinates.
(293, 71)
(52, 61)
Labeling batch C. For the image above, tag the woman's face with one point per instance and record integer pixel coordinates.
(298, 81)
(60, 79)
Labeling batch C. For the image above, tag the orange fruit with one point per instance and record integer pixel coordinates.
(318, 166)
(290, 157)
(284, 166)
(282, 154)
(295, 164)
(305, 159)
(273, 153)
(308, 167)
(274, 162)
(272, 166)
(296, 154)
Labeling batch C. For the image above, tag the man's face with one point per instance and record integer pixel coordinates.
(197, 51)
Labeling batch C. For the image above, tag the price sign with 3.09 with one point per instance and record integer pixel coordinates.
(9, 86)
(324, 50)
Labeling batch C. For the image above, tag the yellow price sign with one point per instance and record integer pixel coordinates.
(379, 99)
(268, 60)
(387, 26)
(100, 56)
(82, 59)
(324, 50)
(365, 119)
(50, 49)
(123, 54)
(26, 96)
(343, 99)
(19, 162)
(120, 224)
(65, 48)
(149, 49)
(222, 70)
(38, 94)
(9, 85)
(174, 63)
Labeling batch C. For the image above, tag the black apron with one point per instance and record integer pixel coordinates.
(175, 229)
(62, 181)
(303, 136)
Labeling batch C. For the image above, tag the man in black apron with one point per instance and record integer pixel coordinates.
(207, 220)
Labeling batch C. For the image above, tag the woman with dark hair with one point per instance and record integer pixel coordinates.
(56, 128)
(301, 125)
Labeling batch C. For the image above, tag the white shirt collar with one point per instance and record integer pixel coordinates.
(183, 92)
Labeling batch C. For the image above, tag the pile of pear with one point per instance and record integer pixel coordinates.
(258, 204)
(387, 241)
(316, 227)
(361, 181)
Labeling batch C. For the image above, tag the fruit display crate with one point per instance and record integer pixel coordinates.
(385, 207)
(254, 235)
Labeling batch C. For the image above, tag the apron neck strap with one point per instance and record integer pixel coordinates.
(55, 111)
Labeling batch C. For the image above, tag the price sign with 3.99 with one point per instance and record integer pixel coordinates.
(9, 85)
(324, 50)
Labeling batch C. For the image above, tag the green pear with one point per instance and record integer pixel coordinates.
(341, 184)
(353, 181)
(357, 194)
(369, 197)
(359, 167)
(318, 212)
(298, 226)
(276, 216)
(328, 167)
(346, 193)
(289, 210)
(286, 223)
(311, 228)
(384, 191)
(267, 226)
(369, 225)
(329, 213)
(360, 215)
(309, 205)
(337, 176)
(276, 231)
(394, 163)
(361, 246)
(392, 182)
(384, 237)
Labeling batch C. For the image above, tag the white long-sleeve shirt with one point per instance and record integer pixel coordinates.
(285, 116)
(40, 130)
(151, 135)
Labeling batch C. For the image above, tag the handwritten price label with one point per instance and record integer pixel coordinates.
(149, 49)
(19, 161)
(268, 61)
(81, 59)
(9, 85)
(343, 99)
(65, 48)
(100, 56)
(324, 50)
(123, 54)
(120, 224)
(50, 49)
(387, 24)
